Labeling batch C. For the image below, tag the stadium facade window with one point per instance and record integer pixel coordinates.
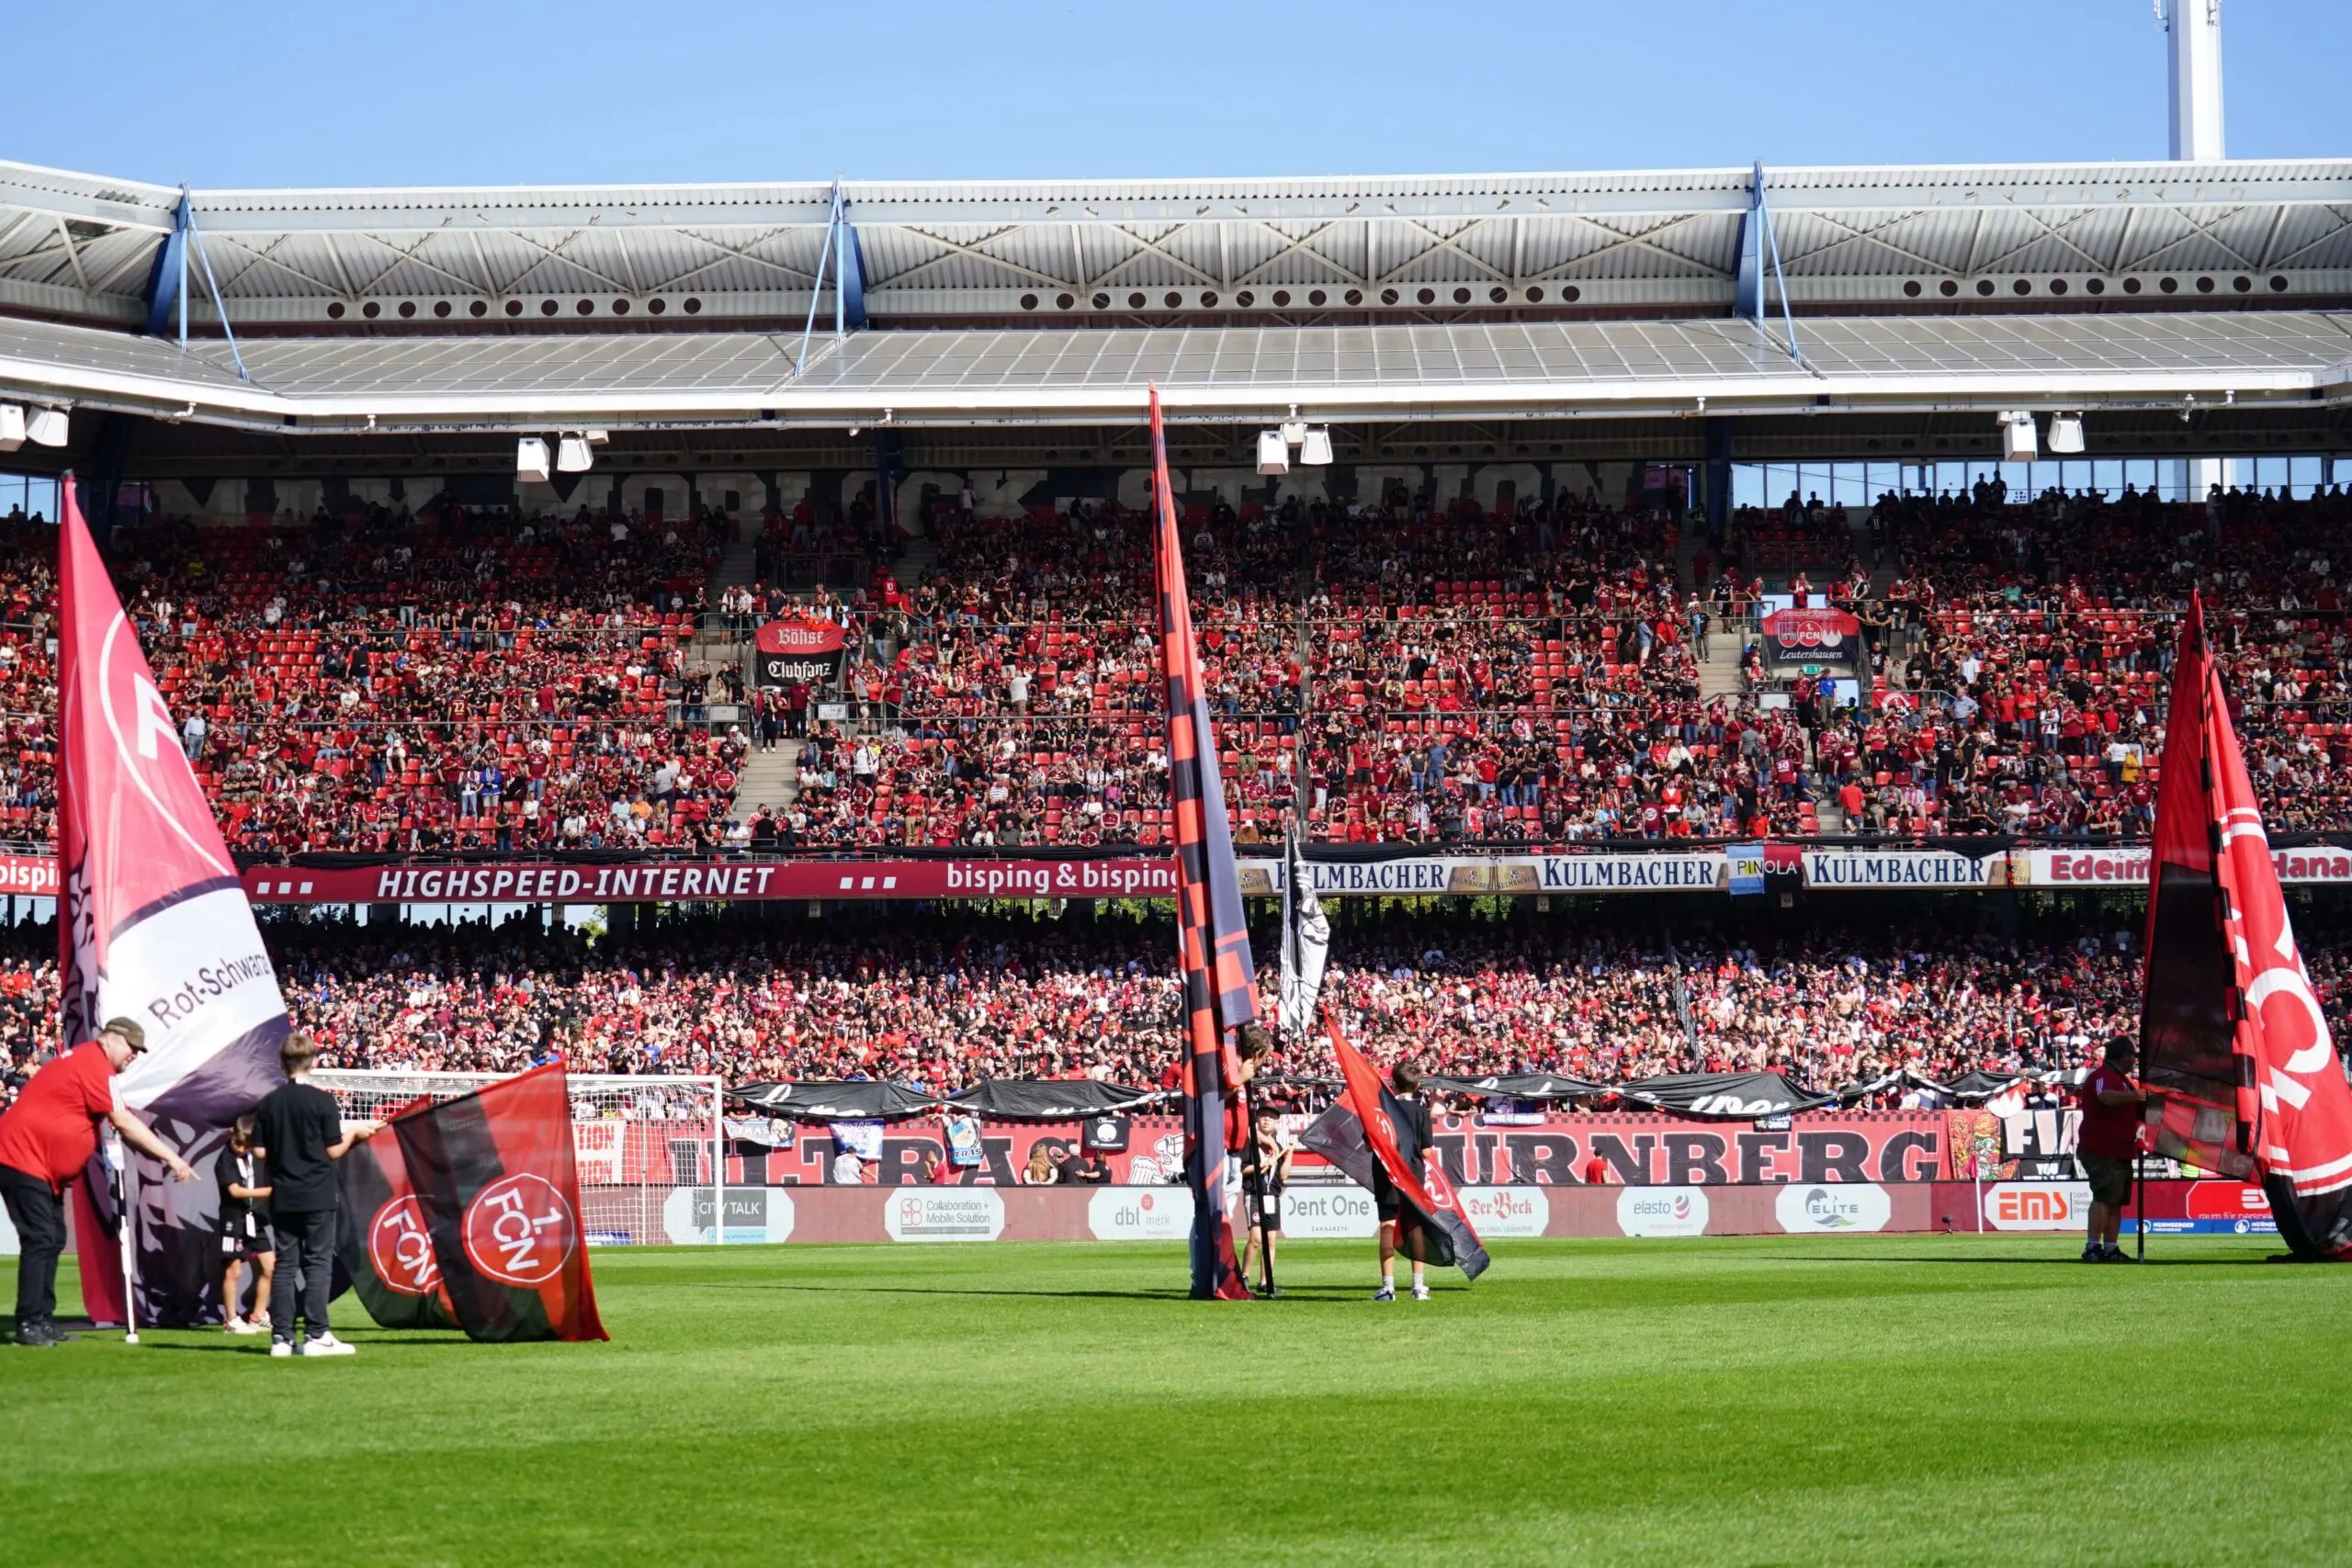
(2170, 285)
(478, 308)
(692, 306)
(2278, 283)
(513, 307)
(1911, 288)
(1462, 296)
(408, 309)
(2095, 285)
(1948, 288)
(1354, 296)
(2131, 286)
(1134, 301)
(587, 307)
(620, 307)
(371, 310)
(548, 307)
(441, 309)
(1534, 294)
(1427, 295)
(335, 310)
(1316, 297)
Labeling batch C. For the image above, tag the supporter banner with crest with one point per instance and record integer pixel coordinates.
(154, 926)
(800, 648)
(1812, 637)
(497, 1189)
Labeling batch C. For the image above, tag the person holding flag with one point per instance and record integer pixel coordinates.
(1381, 1138)
(47, 1138)
(1399, 1222)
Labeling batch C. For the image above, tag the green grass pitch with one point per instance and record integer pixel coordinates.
(1800, 1400)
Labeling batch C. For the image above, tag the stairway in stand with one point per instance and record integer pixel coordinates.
(769, 778)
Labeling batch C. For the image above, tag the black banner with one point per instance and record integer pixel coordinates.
(825, 1101)
(1051, 1099)
(1722, 1094)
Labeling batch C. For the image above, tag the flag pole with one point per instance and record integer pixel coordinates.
(125, 1207)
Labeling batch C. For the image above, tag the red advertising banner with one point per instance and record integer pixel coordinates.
(28, 876)
(544, 881)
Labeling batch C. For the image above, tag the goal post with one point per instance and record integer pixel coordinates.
(650, 1151)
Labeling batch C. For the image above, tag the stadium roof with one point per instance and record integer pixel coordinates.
(82, 247)
(1543, 296)
(982, 377)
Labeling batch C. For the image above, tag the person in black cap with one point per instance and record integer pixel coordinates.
(46, 1138)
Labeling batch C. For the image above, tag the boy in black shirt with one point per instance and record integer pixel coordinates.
(1399, 1221)
(244, 1227)
(302, 1130)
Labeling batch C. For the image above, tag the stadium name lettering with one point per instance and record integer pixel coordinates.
(1577, 873)
(210, 981)
(1826, 870)
(1060, 878)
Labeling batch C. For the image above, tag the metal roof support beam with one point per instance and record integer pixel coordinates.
(188, 219)
(849, 270)
(168, 279)
(1758, 245)
(817, 286)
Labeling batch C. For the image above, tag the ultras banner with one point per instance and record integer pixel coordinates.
(497, 1190)
(801, 649)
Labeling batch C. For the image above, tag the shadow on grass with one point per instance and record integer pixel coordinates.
(2153, 1262)
(1290, 1293)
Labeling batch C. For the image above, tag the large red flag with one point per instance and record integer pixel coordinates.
(1213, 940)
(1368, 1125)
(2233, 1041)
(497, 1190)
(154, 926)
(383, 1244)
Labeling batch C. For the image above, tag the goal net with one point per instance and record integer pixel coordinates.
(648, 1149)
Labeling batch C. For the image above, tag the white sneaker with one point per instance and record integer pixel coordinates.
(1421, 1293)
(260, 1320)
(328, 1345)
(280, 1349)
(239, 1326)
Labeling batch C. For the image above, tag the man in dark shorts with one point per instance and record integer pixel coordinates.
(245, 1238)
(1265, 1170)
(2112, 1106)
(1413, 1133)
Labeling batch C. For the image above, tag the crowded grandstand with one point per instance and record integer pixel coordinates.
(1538, 592)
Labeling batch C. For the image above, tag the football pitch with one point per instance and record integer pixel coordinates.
(1798, 1399)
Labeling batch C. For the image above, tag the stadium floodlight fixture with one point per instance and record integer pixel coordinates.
(2019, 442)
(1293, 429)
(12, 427)
(531, 460)
(600, 437)
(1273, 453)
(1315, 450)
(2066, 435)
(47, 428)
(573, 455)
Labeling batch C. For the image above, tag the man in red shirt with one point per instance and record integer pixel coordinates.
(45, 1140)
(2112, 1109)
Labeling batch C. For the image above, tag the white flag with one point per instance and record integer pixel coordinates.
(1307, 942)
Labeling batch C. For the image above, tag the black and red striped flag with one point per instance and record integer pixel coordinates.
(495, 1184)
(2234, 1043)
(1213, 941)
(1368, 1125)
(383, 1244)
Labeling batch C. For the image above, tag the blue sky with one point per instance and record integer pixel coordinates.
(431, 92)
